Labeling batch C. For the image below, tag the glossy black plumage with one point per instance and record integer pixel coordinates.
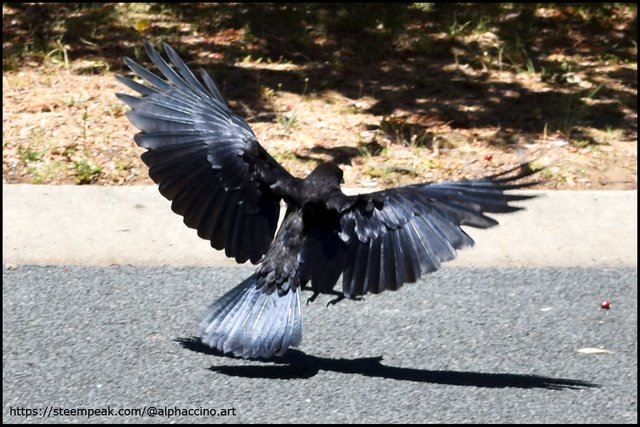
(208, 162)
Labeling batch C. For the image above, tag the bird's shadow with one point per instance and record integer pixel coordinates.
(296, 364)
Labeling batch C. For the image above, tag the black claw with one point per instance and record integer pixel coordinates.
(342, 296)
(336, 300)
(339, 296)
(313, 297)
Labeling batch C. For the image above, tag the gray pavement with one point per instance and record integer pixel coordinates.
(473, 345)
(90, 225)
(497, 336)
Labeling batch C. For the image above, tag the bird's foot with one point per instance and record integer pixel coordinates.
(336, 300)
(313, 297)
(340, 296)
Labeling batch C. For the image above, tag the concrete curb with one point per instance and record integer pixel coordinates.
(90, 225)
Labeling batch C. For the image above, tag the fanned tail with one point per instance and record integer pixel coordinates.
(248, 322)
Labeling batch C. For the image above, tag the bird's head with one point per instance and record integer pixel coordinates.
(326, 174)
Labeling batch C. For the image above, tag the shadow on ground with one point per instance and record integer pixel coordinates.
(296, 364)
(398, 54)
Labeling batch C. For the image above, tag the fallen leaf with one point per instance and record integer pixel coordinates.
(41, 107)
(593, 350)
(142, 25)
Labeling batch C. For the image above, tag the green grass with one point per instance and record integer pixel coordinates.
(288, 121)
(30, 155)
(44, 172)
(85, 171)
(573, 111)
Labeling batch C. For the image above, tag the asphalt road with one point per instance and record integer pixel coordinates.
(494, 345)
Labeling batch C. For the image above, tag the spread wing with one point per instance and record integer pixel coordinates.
(387, 238)
(205, 159)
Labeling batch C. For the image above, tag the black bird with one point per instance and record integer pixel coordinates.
(208, 162)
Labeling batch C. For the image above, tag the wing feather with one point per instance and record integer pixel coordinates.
(204, 158)
(394, 236)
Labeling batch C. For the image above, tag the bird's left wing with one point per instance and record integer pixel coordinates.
(205, 159)
(391, 237)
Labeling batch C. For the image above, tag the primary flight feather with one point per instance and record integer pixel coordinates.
(208, 162)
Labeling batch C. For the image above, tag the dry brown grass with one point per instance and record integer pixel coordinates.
(63, 124)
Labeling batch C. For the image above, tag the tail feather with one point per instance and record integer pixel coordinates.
(250, 323)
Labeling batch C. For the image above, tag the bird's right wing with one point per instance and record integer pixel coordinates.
(206, 159)
(387, 238)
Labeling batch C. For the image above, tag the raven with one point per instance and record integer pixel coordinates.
(208, 162)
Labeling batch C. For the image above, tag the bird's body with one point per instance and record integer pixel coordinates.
(209, 163)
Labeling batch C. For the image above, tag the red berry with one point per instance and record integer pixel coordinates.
(217, 56)
(488, 157)
(605, 304)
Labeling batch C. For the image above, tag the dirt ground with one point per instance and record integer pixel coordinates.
(441, 104)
